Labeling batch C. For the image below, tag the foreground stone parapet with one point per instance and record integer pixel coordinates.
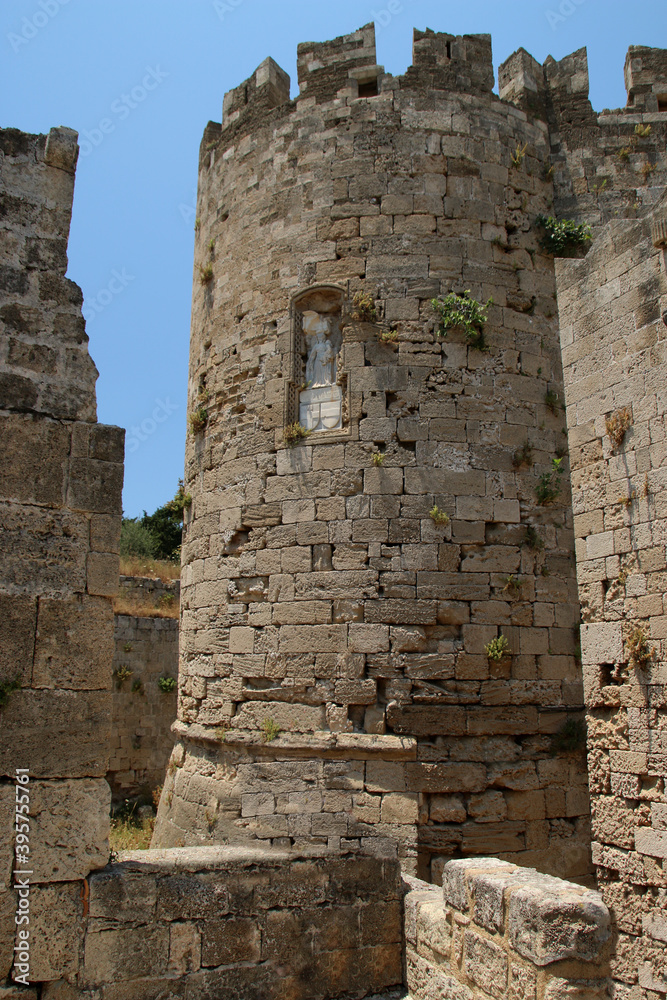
(238, 922)
(496, 930)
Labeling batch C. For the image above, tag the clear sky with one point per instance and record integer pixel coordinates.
(153, 72)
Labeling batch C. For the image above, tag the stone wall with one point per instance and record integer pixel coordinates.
(238, 923)
(164, 595)
(613, 306)
(61, 476)
(320, 598)
(495, 930)
(142, 714)
(604, 165)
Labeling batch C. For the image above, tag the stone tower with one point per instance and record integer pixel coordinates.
(335, 682)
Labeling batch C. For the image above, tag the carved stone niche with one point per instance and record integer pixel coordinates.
(318, 395)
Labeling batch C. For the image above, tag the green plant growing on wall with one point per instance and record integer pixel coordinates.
(498, 648)
(570, 738)
(512, 585)
(533, 539)
(166, 684)
(438, 516)
(518, 155)
(127, 648)
(270, 730)
(137, 687)
(638, 647)
(388, 336)
(523, 456)
(205, 273)
(182, 501)
(465, 313)
(199, 416)
(378, 458)
(121, 675)
(294, 433)
(363, 308)
(198, 420)
(6, 688)
(549, 483)
(563, 238)
(643, 131)
(617, 424)
(552, 401)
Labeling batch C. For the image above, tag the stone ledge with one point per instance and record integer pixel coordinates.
(321, 744)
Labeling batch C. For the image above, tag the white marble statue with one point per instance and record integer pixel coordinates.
(320, 366)
(320, 402)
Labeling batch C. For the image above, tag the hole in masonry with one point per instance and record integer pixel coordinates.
(368, 89)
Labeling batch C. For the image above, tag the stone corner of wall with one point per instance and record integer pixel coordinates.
(501, 930)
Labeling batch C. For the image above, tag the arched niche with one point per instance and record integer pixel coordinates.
(318, 391)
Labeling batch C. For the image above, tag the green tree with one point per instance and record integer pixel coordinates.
(136, 540)
(166, 525)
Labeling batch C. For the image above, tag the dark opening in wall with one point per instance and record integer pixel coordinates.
(369, 88)
(448, 48)
(662, 102)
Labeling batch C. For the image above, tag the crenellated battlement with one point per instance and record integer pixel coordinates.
(646, 78)
(268, 87)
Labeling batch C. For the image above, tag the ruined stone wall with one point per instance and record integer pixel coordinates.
(146, 649)
(320, 600)
(612, 307)
(61, 475)
(495, 930)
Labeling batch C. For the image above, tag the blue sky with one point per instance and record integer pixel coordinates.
(139, 79)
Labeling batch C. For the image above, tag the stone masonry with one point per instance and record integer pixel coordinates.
(320, 599)
(61, 475)
(613, 309)
(336, 698)
(145, 650)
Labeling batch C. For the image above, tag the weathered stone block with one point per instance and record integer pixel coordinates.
(69, 828)
(230, 941)
(18, 615)
(102, 573)
(576, 989)
(112, 956)
(74, 645)
(552, 921)
(56, 733)
(120, 893)
(486, 964)
(33, 465)
(57, 931)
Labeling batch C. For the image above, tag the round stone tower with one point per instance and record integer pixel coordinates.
(366, 514)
